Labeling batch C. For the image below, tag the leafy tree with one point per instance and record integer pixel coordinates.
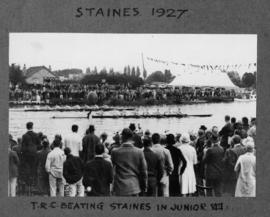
(125, 70)
(111, 72)
(248, 79)
(133, 72)
(168, 76)
(103, 71)
(16, 75)
(95, 70)
(156, 76)
(235, 78)
(87, 71)
(138, 73)
(112, 79)
(128, 71)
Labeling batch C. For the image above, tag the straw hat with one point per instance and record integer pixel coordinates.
(185, 138)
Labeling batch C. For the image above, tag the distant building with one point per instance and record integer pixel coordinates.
(69, 74)
(39, 75)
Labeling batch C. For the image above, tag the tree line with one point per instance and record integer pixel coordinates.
(132, 75)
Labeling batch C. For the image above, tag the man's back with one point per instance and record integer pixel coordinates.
(165, 156)
(30, 142)
(89, 143)
(214, 163)
(154, 164)
(137, 140)
(55, 161)
(72, 169)
(74, 142)
(98, 174)
(130, 170)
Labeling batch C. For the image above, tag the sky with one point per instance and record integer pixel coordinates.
(76, 50)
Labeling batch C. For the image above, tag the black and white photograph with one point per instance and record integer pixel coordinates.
(133, 115)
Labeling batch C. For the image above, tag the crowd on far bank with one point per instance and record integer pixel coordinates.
(212, 162)
(79, 93)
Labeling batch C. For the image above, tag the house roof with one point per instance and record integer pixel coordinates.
(32, 70)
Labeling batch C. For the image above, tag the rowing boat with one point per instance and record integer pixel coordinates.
(134, 116)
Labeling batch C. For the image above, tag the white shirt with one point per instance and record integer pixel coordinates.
(74, 142)
(55, 161)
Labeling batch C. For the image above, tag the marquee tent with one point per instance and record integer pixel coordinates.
(202, 78)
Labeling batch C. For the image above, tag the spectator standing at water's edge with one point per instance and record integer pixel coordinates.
(246, 171)
(98, 174)
(89, 142)
(13, 172)
(154, 167)
(54, 166)
(225, 133)
(73, 172)
(30, 142)
(188, 180)
(73, 141)
(214, 167)
(179, 164)
(130, 167)
(165, 155)
(43, 176)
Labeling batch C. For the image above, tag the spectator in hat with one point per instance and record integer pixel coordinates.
(188, 180)
(214, 167)
(246, 172)
(116, 143)
(104, 141)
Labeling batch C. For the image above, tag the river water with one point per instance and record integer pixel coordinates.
(43, 121)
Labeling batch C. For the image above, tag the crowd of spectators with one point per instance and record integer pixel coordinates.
(210, 162)
(62, 93)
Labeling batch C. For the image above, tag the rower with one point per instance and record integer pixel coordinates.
(157, 113)
(123, 113)
(179, 111)
(88, 114)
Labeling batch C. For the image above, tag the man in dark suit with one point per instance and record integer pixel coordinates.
(214, 167)
(98, 174)
(225, 133)
(179, 163)
(230, 158)
(130, 167)
(30, 142)
(154, 167)
(89, 143)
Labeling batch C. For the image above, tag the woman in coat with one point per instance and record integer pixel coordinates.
(188, 180)
(246, 169)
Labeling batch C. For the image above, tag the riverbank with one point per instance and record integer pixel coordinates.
(118, 102)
